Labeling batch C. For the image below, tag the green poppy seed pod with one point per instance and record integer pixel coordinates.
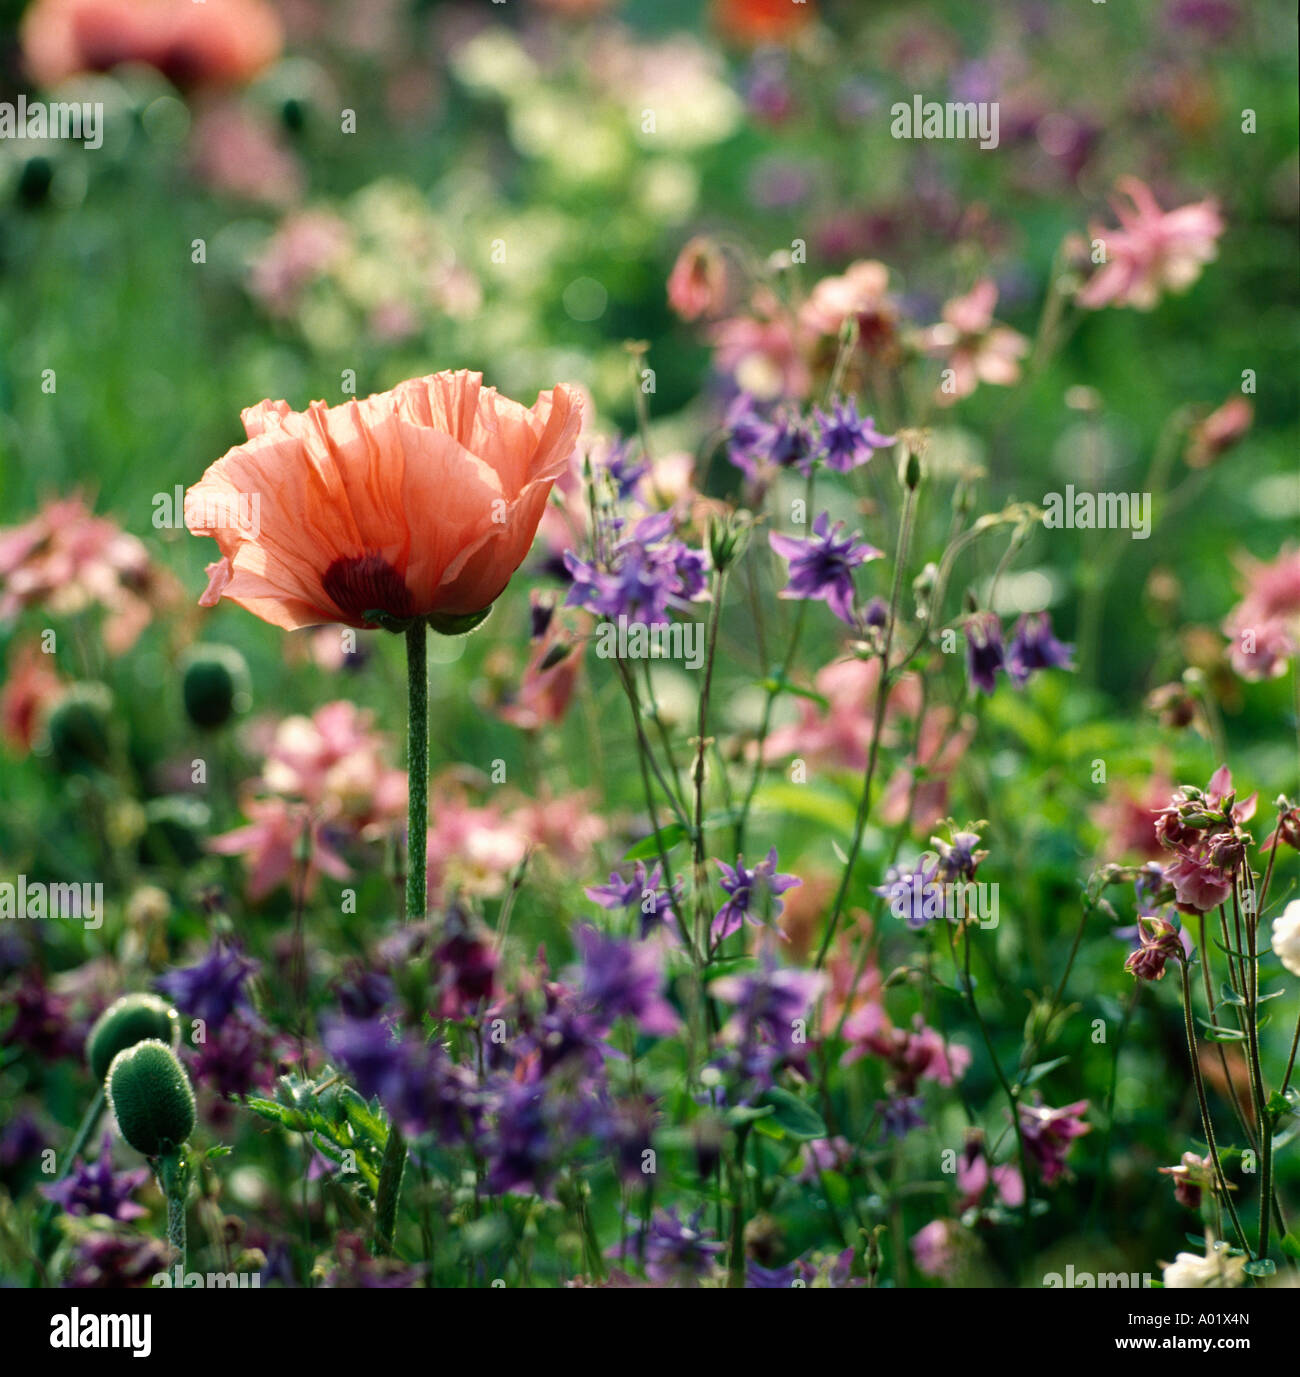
(215, 686)
(175, 828)
(151, 1098)
(79, 727)
(131, 1019)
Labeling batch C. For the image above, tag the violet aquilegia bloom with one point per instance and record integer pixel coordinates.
(984, 653)
(95, 1188)
(213, 988)
(677, 1252)
(1034, 647)
(623, 979)
(645, 892)
(846, 440)
(644, 575)
(821, 566)
(748, 890)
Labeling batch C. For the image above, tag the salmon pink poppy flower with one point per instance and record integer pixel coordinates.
(414, 504)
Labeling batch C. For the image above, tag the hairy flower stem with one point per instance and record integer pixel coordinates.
(877, 721)
(1207, 1126)
(172, 1178)
(393, 1166)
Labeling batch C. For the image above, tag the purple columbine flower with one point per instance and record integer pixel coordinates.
(984, 656)
(746, 433)
(846, 440)
(769, 1026)
(900, 1115)
(789, 441)
(959, 858)
(417, 1083)
(746, 889)
(211, 989)
(518, 1142)
(1033, 647)
(676, 1253)
(623, 979)
(769, 1278)
(98, 1189)
(821, 566)
(643, 891)
(625, 472)
(914, 895)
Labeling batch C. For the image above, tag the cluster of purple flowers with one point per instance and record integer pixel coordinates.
(539, 1091)
(1033, 647)
(760, 445)
(639, 576)
(234, 1052)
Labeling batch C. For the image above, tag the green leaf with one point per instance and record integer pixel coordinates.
(1291, 1245)
(1036, 1073)
(796, 1119)
(1230, 996)
(670, 834)
(1213, 1034)
(1261, 1267)
(292, 1119)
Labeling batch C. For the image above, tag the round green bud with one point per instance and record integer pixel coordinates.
(150, 1096)
(131, 1019)
(215, 685)
(175, 827)
(79, 727)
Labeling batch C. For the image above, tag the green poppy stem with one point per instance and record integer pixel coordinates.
(393, 1166)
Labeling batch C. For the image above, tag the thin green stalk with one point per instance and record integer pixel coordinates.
(882, 697)
(1207, 1127)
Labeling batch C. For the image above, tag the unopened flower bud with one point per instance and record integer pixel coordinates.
(151, 1098)
(79, 727)
(216, 685)
(131, 1019)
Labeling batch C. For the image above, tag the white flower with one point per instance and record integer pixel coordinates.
(1190, 1272)
(1286, 936)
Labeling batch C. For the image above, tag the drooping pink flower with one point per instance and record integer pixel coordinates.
(860, 294)
(973, 346)
(279, 833)
(1048, 1134)
(911, 1055)
(1154, 251)
(1218, 432)
(975, 1174)
(697, 285)
(1264, 627)
(763, 350)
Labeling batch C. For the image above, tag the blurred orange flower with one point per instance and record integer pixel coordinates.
(419, 502)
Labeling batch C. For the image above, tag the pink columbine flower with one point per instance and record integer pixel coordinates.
(974, 347)
(1153, 251)
(1265, 625)
(697, 285)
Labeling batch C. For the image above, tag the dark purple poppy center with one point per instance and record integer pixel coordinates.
(367, 583)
